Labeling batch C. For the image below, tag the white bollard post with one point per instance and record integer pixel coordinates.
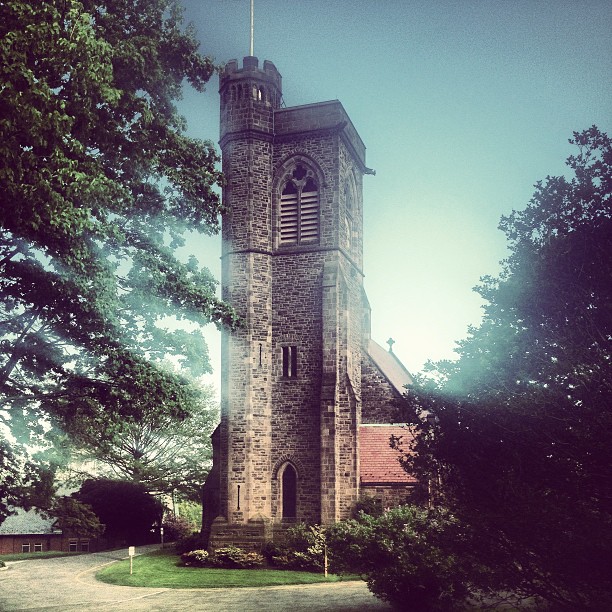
(131, 553)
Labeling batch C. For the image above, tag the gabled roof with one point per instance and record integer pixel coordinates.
(27, 522)
(390, 366)
(378, 462)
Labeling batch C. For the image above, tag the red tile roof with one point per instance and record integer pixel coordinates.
(379, 463)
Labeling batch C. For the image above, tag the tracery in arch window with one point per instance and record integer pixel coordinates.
(299, 209)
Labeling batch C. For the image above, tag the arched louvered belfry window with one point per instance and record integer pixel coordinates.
(299, 209)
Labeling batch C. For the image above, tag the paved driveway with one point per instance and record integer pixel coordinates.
(68, 583)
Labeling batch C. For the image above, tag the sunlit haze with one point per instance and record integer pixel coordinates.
(463, 105)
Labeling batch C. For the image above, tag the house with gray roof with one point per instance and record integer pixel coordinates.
(31, 531)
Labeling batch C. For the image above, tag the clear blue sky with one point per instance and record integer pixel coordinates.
(462, 104)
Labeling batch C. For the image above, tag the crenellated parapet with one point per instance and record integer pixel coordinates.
(249, 96)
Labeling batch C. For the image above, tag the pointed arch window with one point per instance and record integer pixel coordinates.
(289, 489)
(299, 209)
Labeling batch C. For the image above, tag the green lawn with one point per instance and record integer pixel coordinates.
(48, 554)
(161, 569)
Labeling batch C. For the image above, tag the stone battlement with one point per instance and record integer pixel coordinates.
(250, 68)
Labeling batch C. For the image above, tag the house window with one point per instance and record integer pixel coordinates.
(25, 547)
(290, 361)
(37, 546)
(73, 546)
(85, 546)
(299, 209)
(289, 485)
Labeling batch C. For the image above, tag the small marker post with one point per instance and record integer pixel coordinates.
(131, 553)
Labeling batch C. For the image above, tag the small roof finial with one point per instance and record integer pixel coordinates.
(390, 342)
(251, 52)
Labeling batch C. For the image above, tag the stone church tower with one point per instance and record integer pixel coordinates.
(295, 376)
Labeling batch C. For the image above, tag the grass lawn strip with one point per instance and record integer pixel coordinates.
(162, 570)
(38, 555)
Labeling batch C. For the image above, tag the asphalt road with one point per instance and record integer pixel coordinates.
(68, 583)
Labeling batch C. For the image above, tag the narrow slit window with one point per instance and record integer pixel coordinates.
(348, 219)
(289, 361)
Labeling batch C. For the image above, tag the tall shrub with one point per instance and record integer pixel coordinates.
(402, 555)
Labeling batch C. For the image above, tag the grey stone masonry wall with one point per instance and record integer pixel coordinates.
(296, 301)
(298, 298)
(320, 116)
(389, 496)
(378, 395)
(248, 99)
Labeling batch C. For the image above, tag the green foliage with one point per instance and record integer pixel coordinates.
(367, 505)
(403, 555)
(191, 512)
(189, 542)
(157, 450)
(126, 508)
(176, 528)
(521, 448)
(99, 185)
(230, 557)
(302, 548)
(76, 518)
(195, 558)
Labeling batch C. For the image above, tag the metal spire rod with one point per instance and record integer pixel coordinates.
(252, 12)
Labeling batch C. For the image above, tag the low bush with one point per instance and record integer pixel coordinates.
(230, 557)
(302, 548)
(368, 505)
(233, 557)
(195, 558)
(193, 541)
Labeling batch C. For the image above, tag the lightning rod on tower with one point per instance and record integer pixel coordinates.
(252, 12)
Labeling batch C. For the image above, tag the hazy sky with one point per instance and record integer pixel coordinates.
(462, 104)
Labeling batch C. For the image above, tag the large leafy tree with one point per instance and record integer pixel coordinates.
(98, 184)
(519, 447)
(76, 518)
(166, 455)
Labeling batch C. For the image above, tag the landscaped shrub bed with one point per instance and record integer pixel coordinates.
(163, 569)
(302, 549)
(230, 557)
